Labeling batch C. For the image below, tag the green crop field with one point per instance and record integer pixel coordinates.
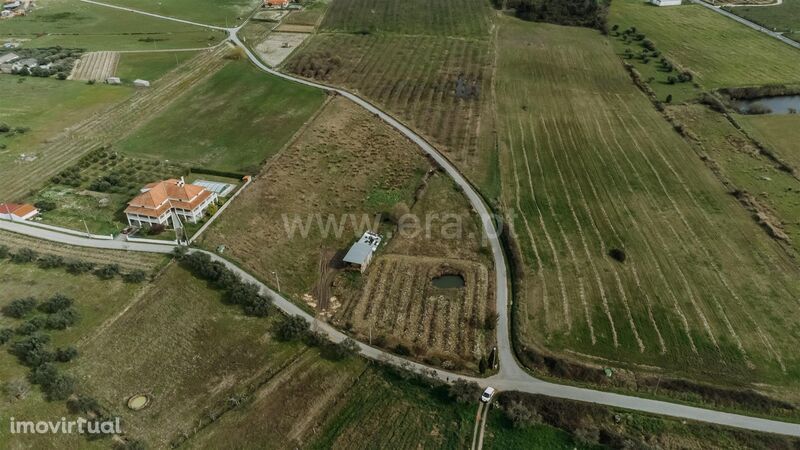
(234, 121)
(71, 23)
(430, 64)
(442, 18)
(149, 66)
(589, 166)
(220, 13)
(719, 51)
(784, 17)
(45, 107)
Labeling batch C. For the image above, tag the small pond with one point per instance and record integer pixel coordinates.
(784, 104)
(448, 282)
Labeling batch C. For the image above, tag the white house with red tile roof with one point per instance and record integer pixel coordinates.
(16, 211)
(165, 201)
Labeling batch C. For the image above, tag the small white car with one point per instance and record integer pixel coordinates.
(487, 395)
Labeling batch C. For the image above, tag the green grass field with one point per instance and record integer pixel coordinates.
(220, 13)
(780, 132)
(784, 17)
(46, 106)
(149, 66)
(233, 121)
(70, 23)
(590, 166)
(719, 51)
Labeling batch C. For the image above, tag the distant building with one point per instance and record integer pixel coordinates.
(14, 211)
(12, 5)
(8, 57)
(170, 200)
(113, 80)
(360, 254)
(141, 83)
(276, 3)
(666, 2)
(28, 63)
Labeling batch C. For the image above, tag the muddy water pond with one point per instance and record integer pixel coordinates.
(784, 104)
(448, 282)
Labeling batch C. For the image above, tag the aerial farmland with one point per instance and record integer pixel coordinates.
(533, 224)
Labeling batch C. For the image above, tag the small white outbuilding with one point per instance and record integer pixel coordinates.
(666, 2)
(113, 80)
(141, 83)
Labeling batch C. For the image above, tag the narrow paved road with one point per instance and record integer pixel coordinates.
(511, 375)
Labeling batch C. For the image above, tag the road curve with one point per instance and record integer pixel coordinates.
(511, 375)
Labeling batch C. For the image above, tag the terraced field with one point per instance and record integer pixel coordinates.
(720, 52)
(429, 65)
(104, 127)
(589, 167)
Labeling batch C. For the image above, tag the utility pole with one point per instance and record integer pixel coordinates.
(277, 280)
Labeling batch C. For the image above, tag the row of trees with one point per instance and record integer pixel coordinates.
(237, 292)
(74, 266)
(582, 13)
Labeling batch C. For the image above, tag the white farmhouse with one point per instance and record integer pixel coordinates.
(666, 2)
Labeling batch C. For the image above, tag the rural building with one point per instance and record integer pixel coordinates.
(141, 83)
(11, 45)
(113, 80)
(8, 57)
(666, 2)
(276, 3)
(170, 200)
(12, 5)
(14, 211)
(30, 63)
(360, 254)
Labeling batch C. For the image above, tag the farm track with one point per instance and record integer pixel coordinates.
(110, 125)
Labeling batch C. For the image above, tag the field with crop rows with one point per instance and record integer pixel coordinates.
(428, 65)
(398, 301)
(96, 66)
(720, 52)
(590, 170)
(55, 152)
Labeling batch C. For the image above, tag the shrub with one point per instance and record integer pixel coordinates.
(482, 365)
(258, 306)
(292, 328)
(55, 385)
(402, 349)
(135, 276)
(20, 307)
(617, 254)
(156, 229)
(4, 251)
(50, 261)
(108, 271)
(520, 415)
(668, 99)
(32, 350)
(82, 404)
(345, 349)
(490, 323)
(5, 335)
(55, 304)
(66, 354)
(758, 108)
(463, 391)
(30, 327)
(77, 266)
(24, 255)
(62, 319)
(47, 205)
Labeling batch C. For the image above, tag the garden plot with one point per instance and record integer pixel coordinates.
(277, 46)
(397, 304)
(95, 66)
